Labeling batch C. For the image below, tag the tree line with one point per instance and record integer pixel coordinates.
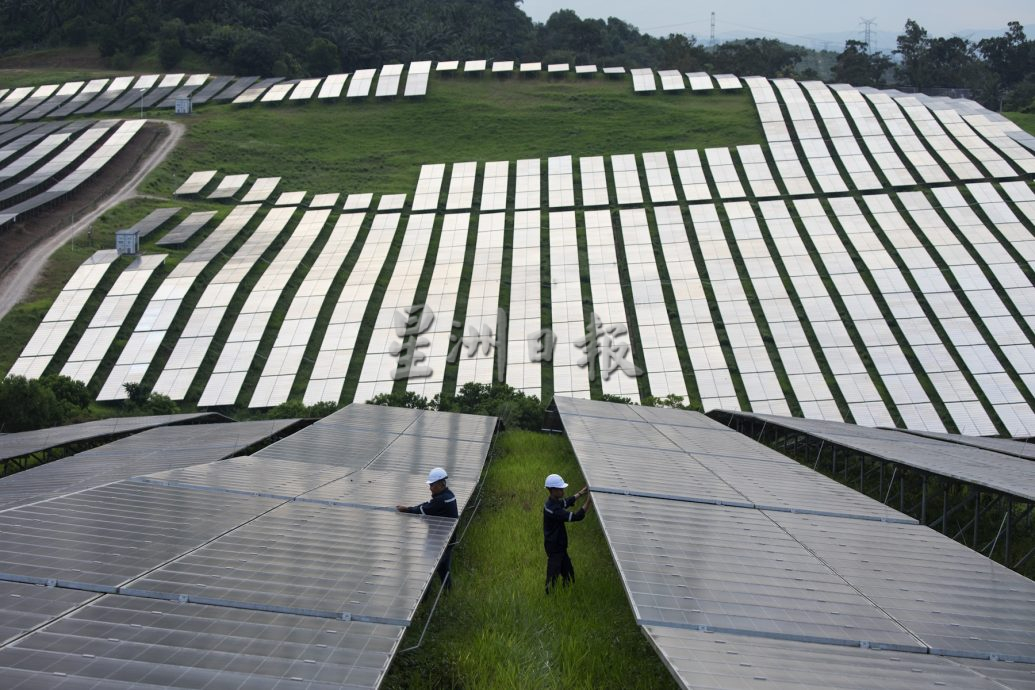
(293, 38)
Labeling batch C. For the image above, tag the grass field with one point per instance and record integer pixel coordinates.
(379, 146)
(497, 629)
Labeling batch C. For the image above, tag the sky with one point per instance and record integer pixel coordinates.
(807, 22)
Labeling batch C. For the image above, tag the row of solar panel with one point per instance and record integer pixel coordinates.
(726, 547)
(119, 94)
(263, 570)
(53, 165)
(978, 378)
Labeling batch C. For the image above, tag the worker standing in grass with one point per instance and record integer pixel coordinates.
(442, 504)
(555, 535)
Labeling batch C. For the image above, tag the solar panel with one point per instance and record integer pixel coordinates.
(752, 357)
(229, 186)
(53, 168)
(671, 80)
(731, 570)
(756, 169)
(461, 186)
(196, 182)
(82, 364)
(447, 66)
(557, 68)
(58, 320)
(664, 372)
(706, 356)
(357, 202)
(115, 89)
(183, 232)
(324, 200)
(441, 301)
(566, 306)
(332, 86)
(593, 178)
(152, 448)
(391, 202)
(137, 642)
(429, 187)
(210, 90)
(417, 79)
(290, 199)
(724, 173)
(527, 184)
(193, 83)
(495, 186)
(254, 91)
(88, 92)
(614, 71)
(724, 660)
(699, 81)
(643, 80)
(197, 335)
(691, 175)
(361, 82)
(561, 184)
(585, 70)
(242, 344)
(388, 81)
(659, 178)
(261, 190)
(956, 601)
(608, 304)
(314, 560)
(473, 66)
(502, 66)
(149, 332)
(36, 98)
(727, 81)
(476, 364)
(531, 67)
(332, 362)
(304, 90)
(992, 470)
(524, 314)
(105, 537)
(27, 607)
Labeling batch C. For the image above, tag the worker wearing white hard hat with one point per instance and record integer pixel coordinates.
(442, 504)
(555, 535)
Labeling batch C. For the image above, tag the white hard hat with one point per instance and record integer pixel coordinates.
(554, 481)
(436, 475)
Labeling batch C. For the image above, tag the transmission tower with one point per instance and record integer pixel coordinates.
(867, 31)
(713, 30)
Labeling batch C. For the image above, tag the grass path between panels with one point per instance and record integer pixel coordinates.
(497, 629)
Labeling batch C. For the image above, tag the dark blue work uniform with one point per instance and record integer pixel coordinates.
(555, 539)
(442, 504)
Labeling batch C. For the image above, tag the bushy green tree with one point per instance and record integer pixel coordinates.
(27, 404)
(857, 66)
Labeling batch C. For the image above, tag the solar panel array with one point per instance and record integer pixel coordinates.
(151, 446)
(905, 309)
(58, 321)
(150, 330)
(239, 351)
(315, 586)
(746, 568)
(104, 326)
(339, 342)
(197, 336)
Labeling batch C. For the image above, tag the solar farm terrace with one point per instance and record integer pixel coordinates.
(842, 278)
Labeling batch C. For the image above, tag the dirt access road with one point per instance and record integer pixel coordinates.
(18, 278)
